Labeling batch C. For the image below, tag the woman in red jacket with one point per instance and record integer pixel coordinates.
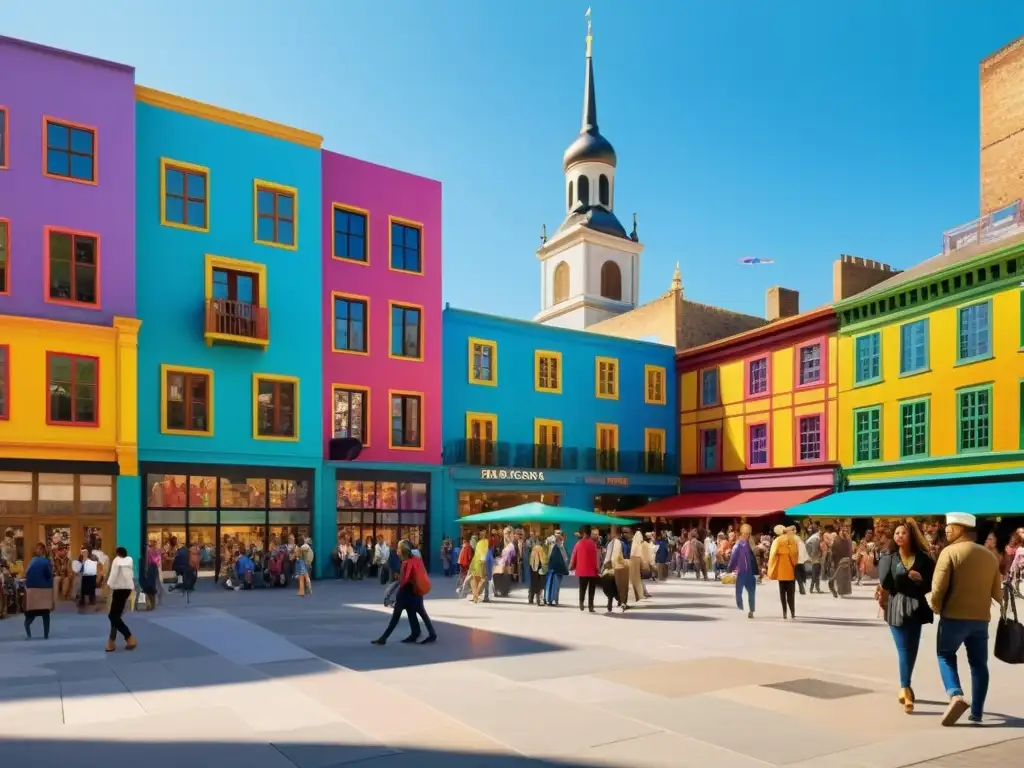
(410, 598)
(584, 563)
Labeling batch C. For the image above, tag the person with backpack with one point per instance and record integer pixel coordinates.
(413, 586)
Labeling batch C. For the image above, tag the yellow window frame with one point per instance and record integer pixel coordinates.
(423, 421)
(662, 374)
(281, 189)
(613, 430)
(423, 246)
(335, 295)
(208, 372)
(345, 208)
(549, 355)
(473, 343)
(235, 265)
(422, 330)
(169, 162)
(662, 437)
(612, 365)
(275, 378)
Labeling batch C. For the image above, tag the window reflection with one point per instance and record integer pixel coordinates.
(289, 494)
(202, 491)
(414, 496)
(387, 496)
(243, 493)
(166, 490)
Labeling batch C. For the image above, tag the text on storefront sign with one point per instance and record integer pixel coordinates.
(511, 474)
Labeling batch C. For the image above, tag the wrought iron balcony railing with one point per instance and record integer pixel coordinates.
(489, 453)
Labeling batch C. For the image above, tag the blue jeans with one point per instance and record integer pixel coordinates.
(552, 587)
(748, 582)
(908, 641)
(973, 635)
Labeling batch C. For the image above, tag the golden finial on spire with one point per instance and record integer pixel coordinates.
(590, 35)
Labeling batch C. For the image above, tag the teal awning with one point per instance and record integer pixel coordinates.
(982, 499)
(535, 512)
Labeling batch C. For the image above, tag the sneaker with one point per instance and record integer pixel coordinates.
(955, 710)
(974, 719)
(750, 614)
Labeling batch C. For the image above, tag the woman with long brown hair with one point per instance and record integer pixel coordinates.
(905, 578)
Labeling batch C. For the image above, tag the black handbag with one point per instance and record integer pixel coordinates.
(1010, 634)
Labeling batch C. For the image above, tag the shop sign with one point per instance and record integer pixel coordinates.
(619, 481)
(512, 474)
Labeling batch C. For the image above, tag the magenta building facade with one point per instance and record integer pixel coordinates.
(381, 348)
(68, 166)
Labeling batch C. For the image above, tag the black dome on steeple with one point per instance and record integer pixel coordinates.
(590, 146)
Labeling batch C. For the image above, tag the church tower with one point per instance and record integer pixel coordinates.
(590, 267)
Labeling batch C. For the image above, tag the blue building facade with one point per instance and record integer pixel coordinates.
(229, 294)
(564, 417)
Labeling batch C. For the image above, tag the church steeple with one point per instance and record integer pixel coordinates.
(590, 146)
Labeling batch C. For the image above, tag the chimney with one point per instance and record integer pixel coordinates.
(781, 302)
(852, 275)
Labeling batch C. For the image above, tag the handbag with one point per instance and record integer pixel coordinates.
(1009, 647)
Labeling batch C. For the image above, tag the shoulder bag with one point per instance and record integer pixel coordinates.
(1009, 647)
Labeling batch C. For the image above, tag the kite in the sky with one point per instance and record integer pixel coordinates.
(756, 260)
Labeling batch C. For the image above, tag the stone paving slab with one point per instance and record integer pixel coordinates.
(265, 678)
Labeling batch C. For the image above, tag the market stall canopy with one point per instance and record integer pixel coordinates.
(535, 512)
(760, 503)
(920, 501)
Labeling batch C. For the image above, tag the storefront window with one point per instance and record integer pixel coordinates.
(243, 492)
(166, 490)
(12, 548)
(610, 503)
(391, 509)
(474, 502)
(16, 494)
(56, 494)
(289, 494)
(202, 491)
(96, 495)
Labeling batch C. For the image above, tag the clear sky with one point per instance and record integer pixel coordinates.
(790, 129)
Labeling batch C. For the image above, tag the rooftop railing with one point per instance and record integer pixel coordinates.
(990, 228)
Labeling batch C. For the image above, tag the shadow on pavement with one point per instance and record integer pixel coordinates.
(32, 753)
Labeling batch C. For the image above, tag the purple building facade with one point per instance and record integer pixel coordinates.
(67, 185)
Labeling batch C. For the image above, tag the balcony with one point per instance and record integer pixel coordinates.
(237, 322)
(990, 228)
(485, 453)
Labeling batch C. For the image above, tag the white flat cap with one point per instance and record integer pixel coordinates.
(962, 518)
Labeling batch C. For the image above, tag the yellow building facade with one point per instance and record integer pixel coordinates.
(68, 427)
(757, 418)
(931, 371)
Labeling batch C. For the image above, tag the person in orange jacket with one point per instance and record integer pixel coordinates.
(782, 560)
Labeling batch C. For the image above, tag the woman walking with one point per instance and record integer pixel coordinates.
(558, 568)
(743, 562)
(38, 591)
(412, 586)
(121, 582)
(303, 555)
(905, 577)
(782, 561)
(149, 575)
(478, 567)
(841, 581)
(538, 572)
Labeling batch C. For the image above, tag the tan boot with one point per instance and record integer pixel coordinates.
(130, 644)
(110, 646)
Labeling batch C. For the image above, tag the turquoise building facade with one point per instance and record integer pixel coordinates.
(230, 368)
(539, 413)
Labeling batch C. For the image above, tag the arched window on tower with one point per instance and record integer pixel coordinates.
(571, 200)
(583, 189)
(561, 283)
(603, 190)
(611, 281)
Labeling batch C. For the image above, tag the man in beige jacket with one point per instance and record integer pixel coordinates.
(965, 584)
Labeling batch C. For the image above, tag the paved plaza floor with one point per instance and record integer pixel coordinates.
(266, 678)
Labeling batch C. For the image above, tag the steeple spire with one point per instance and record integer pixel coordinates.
(589, 93)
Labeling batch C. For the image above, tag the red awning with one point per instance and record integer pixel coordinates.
(729, 503)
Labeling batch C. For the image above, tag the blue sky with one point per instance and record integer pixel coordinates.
(792, 129)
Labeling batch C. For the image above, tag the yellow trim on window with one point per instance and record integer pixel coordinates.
(236, 265)
(648, 370)
(166, 162)
(423, 246)
(283, 189)
(208, 373)
(366, 233)
(550, 424)
(548, 458)
(613, 366)
(366, 407)
(549, 355)
(613, 429)
(334, 325)
(662, 435)
(256, 379)
(423, 423)
(483, 418)
(493, 381)
(422, 332)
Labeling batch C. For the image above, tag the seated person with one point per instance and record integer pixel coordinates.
(244, 569)
(62, 576)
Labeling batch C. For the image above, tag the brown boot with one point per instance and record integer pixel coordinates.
(110, 646)
(130, 643)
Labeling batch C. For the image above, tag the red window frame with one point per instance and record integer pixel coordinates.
(747, 394)
(50, 356)
(74, 234)
(822, 343)
(275, 409)
(187, 379)
(822, 436)
(5, 381)
(5, 144)
(768, 444)
(717, 467)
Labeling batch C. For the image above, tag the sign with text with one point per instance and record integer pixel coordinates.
(512, 474)
(620, 481)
